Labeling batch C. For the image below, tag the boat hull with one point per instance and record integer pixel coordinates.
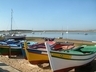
(63, 64)
(61, 61)
(37, 56)
(6, 50)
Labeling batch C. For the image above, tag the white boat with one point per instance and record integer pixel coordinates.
(65, 60)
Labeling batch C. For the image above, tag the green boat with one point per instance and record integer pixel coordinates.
(8, 50)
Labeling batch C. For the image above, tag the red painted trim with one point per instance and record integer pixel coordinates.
(64, 70)
(15, 53)
(39, 62)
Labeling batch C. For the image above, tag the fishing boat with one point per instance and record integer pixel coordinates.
(11, 43)
(12, 49)
(13, 46)
(65, 60)
(38, 55)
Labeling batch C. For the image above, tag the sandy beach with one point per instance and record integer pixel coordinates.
(23, 65)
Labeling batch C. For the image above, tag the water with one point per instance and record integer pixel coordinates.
(71, 35)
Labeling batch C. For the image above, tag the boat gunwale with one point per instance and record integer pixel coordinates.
(73, 54)
(37, 51)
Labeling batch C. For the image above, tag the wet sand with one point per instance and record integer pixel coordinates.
(24, 66)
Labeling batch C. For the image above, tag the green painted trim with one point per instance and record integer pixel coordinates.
(71, 58)
(74, 54)
(6, 50)
(74, 59)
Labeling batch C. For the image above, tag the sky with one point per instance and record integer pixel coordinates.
(48, 14)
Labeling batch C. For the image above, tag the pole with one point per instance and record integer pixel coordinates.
(11, 18)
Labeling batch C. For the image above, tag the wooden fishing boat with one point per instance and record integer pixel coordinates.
(35, 55)
(34, 50)
(13, 49)
(39, 55)
(64, 60)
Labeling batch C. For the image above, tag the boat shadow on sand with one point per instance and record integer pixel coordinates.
(16, 57)
(90, 67)
(2, 70)
(44, 66)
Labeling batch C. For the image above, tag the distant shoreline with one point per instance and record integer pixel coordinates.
(48, 31)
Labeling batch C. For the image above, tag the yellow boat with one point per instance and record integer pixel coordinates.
(36, 56)
(39, 55)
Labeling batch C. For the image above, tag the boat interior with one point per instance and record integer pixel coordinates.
(78, 51)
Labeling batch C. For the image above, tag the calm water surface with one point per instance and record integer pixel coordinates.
(91, 36)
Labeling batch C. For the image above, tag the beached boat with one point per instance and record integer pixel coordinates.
(12, 49)
(11, 46)
(38, 55)
(35, 55)
(64, 60)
